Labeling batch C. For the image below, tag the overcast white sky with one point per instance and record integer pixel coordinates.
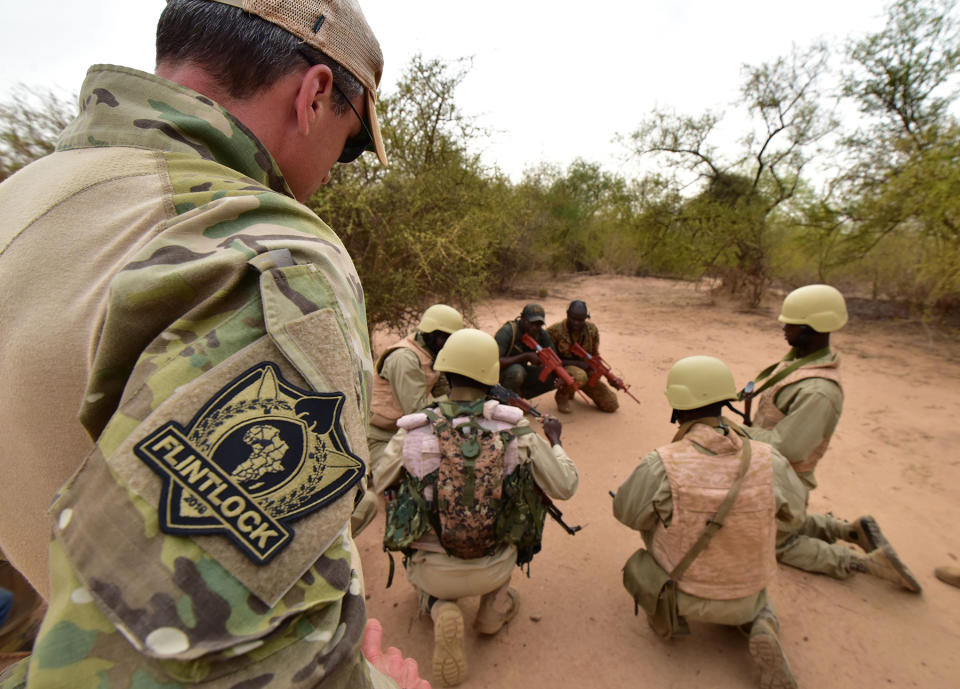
(554, 80)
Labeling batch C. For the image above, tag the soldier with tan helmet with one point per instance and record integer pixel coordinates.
(405, 380)
(711, 475)
(464, 479)
(801, 398)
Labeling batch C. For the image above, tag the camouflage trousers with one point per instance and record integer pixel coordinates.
(599, 392)
(813, 548)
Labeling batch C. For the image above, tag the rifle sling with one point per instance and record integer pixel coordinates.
(714, 524)
(786, 371)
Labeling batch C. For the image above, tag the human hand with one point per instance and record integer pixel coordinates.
(403, 671)
(552, 428)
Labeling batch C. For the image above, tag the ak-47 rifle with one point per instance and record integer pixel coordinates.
(601, 368)
(551, 364)
(507, 396)
(556, 514)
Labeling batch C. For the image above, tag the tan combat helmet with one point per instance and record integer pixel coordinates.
(822, 307)
(471, 353)
(697, 381)
(440, 317)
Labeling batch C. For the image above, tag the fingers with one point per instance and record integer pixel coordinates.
(372, 640)
(404, 671)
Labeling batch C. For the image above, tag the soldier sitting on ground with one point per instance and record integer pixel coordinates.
(799, 407)
(678, 497)
(520, 367)
(464, 478)
(575, 329)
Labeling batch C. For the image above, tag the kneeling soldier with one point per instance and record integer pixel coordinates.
(465, 481)
(679, 496)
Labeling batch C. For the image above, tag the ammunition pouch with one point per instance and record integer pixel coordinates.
(654, 591)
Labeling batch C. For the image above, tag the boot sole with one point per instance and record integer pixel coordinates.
(767, 653)
(449, 658)
(873, 534)
(907, 580)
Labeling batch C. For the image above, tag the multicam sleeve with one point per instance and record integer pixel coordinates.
(206, 539)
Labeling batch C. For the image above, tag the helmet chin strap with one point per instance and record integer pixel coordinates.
(729, 405)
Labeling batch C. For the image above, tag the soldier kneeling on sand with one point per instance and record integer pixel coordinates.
(710, 475)
(464, 502)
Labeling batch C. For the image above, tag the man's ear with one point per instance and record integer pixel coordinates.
(316, 86)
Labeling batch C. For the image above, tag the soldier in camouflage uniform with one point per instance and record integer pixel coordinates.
(187, 344)
(575, 329)
(520, 367)
(404, 382)
(470, 359)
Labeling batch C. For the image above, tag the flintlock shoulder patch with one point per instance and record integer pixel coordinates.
(260, 454)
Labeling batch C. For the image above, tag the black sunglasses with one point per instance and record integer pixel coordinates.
(353, 147)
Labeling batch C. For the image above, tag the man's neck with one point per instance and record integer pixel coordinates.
(817, 342)
(465, 393)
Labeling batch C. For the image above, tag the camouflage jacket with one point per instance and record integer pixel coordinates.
(563, 340)
(224, 385)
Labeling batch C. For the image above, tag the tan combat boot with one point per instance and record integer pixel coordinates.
(491, 616)
(449, 656)
(884, 563)
(767, 653)
(865, 532)
(563, 401)
(948, 575)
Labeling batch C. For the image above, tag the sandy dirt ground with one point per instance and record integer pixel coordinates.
(895, 455)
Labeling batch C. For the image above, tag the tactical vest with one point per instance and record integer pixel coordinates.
(465, 481)
(740, 559)
(385, 408)
(768, 415)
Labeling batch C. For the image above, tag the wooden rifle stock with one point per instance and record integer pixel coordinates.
(747, 397)
(506, 396)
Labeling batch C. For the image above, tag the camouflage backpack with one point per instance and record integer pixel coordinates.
(468, 500)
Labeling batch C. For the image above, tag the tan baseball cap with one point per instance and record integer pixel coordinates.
(338, 29)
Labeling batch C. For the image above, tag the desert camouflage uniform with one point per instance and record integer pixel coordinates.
(589, 339)
(435, 573)
(645, 500)
(401, 368)
(188, 307)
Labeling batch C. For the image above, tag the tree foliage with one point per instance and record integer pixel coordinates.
(429, 226)
(437, 225)
(30, 122)
(729, 226)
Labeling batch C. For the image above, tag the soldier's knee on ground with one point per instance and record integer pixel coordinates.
(513, 377)
(579, 376)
